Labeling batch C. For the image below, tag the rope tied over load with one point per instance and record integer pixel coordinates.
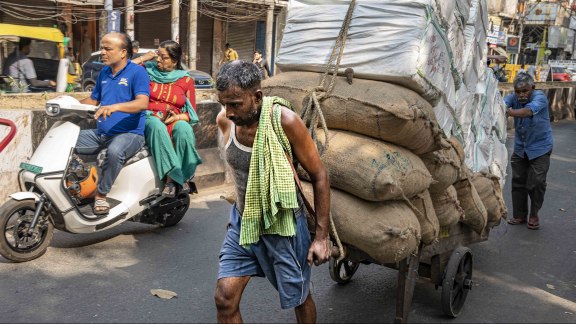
(312, 113)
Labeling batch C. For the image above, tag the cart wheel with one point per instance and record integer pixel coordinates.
(457, 281)
(342, 271)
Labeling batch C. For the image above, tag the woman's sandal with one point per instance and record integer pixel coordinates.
(101, 207)
(185, 187)
(169, 190)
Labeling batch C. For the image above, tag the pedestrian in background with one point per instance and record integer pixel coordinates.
(533, 143)
(267, 233)
(262, 64)
(230, 54)
(135, 46)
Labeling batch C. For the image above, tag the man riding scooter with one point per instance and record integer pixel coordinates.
(122, 91)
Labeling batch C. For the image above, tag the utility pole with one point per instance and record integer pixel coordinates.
(521, 18)
(176, 20)
(104, 17)
(130, 18)
(192, 34)
(269, 25)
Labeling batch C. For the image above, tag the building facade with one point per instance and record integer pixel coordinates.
(247, 25)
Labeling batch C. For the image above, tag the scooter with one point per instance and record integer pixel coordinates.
(58, 186)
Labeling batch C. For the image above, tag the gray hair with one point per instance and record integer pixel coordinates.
(523, 79)
(239, 73)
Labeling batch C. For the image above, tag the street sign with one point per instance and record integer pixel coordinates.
(513, 44)
(114, 21)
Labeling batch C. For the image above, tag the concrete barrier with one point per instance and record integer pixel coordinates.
(27, 112)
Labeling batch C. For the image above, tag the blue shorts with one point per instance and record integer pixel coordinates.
(281, 259)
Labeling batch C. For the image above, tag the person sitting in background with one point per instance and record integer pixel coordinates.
(171, 114)
(21, 68)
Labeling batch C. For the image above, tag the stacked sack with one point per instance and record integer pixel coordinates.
(395, 150)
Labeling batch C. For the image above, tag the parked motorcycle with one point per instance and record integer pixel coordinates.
(58, 186)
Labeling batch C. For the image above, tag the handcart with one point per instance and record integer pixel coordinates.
(446, 263)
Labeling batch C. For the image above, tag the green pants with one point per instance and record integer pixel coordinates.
(175, 157)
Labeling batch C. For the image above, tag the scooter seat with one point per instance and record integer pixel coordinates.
(142, 154)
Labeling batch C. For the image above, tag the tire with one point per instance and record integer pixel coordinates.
(342, 271)
(15, 217)
(88, 87)
(457, 281)
(175, 215)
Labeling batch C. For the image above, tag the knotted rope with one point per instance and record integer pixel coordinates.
(312, 112)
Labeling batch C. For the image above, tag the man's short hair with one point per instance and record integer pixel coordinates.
(126, 43)
(227, 45)
(522, 79)
(135, 44)
(258, 51)
(239, 73)
(24, 41)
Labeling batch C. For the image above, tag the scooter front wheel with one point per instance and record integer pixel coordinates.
(18, 242)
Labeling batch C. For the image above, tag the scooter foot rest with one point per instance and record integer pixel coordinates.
(87, 210)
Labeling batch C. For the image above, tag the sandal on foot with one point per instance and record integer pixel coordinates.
(533, 223)
(516, 221)
(101, 207)
(169, 190)
(185, 187)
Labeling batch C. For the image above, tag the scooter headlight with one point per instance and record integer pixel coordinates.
(52, 110)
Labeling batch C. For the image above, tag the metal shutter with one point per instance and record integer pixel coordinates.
(241, 37)
(204, 36)
(150, 26)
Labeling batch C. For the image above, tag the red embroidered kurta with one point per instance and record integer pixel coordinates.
(171, 96)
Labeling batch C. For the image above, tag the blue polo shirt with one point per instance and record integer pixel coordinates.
(533, 135)
(110, 89)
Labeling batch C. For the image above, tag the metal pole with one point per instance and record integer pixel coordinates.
(130, 18)
(520, 33)
(104, 18)
(176, 20)
(269, 26)
(192, 34)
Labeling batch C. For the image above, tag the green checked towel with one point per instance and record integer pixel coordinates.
(271, 191)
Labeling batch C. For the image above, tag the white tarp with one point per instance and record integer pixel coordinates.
(381, 34)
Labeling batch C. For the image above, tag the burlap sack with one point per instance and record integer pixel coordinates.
(475, 214)
(488, 188)
(387, 231)
(429, 225)
(373, 108)
(447, 207)
(372, 169)
(465, 172)
(444, 166)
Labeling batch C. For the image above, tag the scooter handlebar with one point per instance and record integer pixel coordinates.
(66, 105)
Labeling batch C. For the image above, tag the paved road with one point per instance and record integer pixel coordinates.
(520, 275)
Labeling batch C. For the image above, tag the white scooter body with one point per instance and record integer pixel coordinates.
(134, 183)
(135, 194)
